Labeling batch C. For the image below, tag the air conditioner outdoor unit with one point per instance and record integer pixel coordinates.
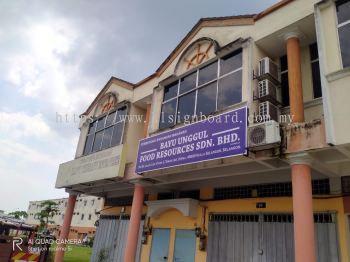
(268, 70)
(267, 91)
(267, 112)
(264, 135)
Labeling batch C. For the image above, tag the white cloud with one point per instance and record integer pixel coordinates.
(19, 124)
(56, 56)
(23, 153)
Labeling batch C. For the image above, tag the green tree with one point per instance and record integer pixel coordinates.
(48, 210)
(19, 214)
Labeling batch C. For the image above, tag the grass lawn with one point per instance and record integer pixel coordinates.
(75, 254)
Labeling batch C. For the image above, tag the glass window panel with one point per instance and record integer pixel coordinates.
(344, 39)
(117, 133)
(167, 117)
(97, 141)
(284, 63)
(88, 144)
(110, 119)
(313, 52)
(343, 10)
(208, 73)
(206, 99)
(185, 109)
(100, 123)
(107, 137)
(230, 90)
(188, 82)
(92, 127)
(121, 113)
(230, 62)
(316, 79)
(285, 89)
(170, 91)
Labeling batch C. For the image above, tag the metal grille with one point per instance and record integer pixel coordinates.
(182, 194)
(266, 237)
(345, 184)
(257, 135)
(234, 217)
(320, 218)
(319, 187)
(121, 201)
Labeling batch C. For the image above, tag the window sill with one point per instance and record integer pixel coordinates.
(338, 74)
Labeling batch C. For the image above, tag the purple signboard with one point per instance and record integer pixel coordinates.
(220, 136)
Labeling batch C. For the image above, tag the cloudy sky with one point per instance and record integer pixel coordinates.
(55, 56)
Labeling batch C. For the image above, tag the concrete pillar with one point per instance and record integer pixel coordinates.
(304, 236)
(134, 224)
(65, 227)
(136, 210)
(294, 79)
(304, 228)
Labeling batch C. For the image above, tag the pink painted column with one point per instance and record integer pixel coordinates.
(304, 236)
(134, 224)
(65, 227)
(304, 228)
(136, 210)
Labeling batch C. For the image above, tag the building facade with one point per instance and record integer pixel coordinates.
(271, 184)
(86, 213)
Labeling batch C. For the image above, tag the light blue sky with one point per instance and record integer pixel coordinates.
(55, 56)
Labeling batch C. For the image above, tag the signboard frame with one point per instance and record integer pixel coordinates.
(186, 126)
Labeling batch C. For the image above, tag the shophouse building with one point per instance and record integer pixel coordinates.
(268, 184)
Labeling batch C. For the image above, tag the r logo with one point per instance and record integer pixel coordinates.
(17, 242)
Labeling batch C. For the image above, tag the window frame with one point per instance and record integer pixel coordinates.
(198, 87)
(312, 62)
(340, 25)
(105, 115)
(284, 72)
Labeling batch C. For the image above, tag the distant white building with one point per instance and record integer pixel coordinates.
(84, 216)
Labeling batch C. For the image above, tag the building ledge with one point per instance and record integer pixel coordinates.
(338, 74)
(304, 136)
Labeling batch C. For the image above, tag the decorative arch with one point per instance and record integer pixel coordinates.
(187, 206)
(107, 102)
(196, 53)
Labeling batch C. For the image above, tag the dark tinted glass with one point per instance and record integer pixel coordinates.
(97, 141)
(285, 89)
(316, 79)
(100, 124)
(344, 38)
(88, 144)
(343, 10)
(92, 127)
(230, 62)
(185, 109)
(230, 90)
(167, 118)
(284, 63)
(107, 137)
(170, 91)
(110, 119)
(117, 134)
(313, 51)
(188, 82)
(121, 114)
(208, 73)
(206, 99)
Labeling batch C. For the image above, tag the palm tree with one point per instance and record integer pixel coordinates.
(48, 210)
(19, 214)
